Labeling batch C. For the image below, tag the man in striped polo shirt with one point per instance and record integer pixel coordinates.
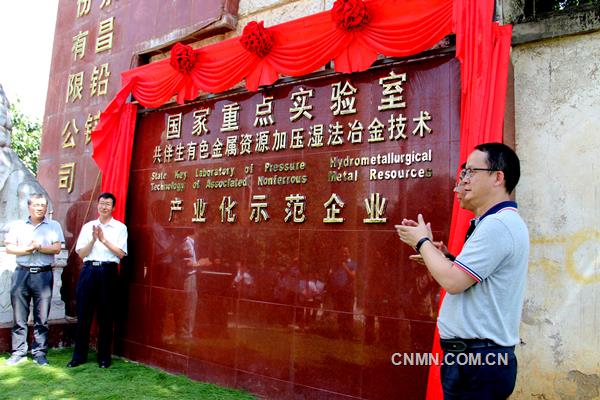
(485, 284)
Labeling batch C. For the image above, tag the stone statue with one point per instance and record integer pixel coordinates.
(16, 184)
(16, 181)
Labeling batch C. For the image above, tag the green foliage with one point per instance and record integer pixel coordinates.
(26, 136)
(123, 380)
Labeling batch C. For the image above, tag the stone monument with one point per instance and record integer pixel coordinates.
(16, 184)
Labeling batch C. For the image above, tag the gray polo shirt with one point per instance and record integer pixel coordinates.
(495, 255)
(47, 232)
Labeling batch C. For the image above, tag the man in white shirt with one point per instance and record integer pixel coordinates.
(102, 243)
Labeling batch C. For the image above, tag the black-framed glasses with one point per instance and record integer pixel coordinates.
(467, 173)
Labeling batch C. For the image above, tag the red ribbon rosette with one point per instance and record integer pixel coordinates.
(350, 14)
(183, 58)
(257, 39)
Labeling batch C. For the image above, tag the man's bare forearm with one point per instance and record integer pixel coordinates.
(87, 249)
(114, 249)
(19, 250)
(54, 248)
(446, 274)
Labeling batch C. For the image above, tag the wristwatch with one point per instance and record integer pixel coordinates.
(420, 243)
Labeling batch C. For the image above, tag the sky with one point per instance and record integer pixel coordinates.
(26, 37)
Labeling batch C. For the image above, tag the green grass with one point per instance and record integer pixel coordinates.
(123, 380)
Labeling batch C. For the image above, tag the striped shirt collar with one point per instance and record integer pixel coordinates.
(503, 205)
(496, 209)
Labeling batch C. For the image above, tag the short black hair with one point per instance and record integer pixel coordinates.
(500, 157)
(36, 196)
(108, 195)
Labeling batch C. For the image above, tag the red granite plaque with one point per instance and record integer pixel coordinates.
(263, 253)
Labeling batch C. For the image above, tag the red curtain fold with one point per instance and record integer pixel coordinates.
(483, 48)
(395, 28)
(112, 153)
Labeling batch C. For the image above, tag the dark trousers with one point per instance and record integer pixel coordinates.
(463, 378)
(27, 286)
(343, 300)
(96, 291)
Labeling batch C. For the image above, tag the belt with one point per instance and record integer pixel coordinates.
(461, 345)
(34, 269)
(99, 264)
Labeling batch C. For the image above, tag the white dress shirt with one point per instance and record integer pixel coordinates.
(114, 231)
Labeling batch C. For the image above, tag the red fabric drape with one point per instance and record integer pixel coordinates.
(395, 28)
(483, 49)
(112, 153)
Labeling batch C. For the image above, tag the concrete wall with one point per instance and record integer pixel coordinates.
(278, 11)
(557, 102)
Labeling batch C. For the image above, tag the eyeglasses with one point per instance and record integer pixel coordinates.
(467, 173)
(105, 203)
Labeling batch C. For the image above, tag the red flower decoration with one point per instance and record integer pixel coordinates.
(257, 39)
(183, 58)
(350, 14)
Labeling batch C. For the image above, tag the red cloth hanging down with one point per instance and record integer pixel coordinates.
(112, 153)
(395, 28)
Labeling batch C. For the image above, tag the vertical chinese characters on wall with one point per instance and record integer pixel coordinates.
(88, 79)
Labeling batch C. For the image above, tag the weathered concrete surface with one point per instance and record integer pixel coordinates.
(272, 12)
(275, 12)
(585, 19)
(253, 7)
(557, 102)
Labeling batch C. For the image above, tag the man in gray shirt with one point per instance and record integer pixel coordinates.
(480, 316)
(34, 241)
